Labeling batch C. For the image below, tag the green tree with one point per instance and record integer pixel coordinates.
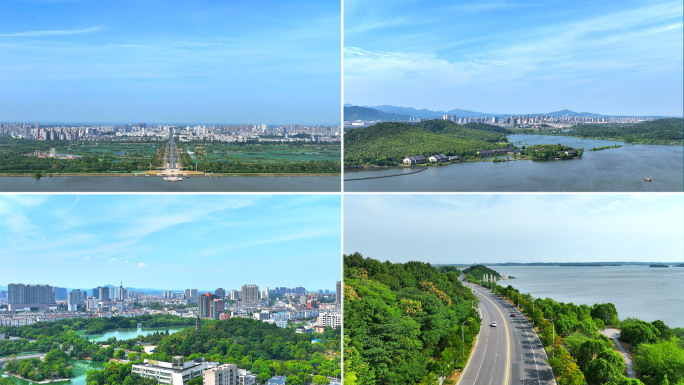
(320, 380)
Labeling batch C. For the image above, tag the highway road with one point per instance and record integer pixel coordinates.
(508, 354)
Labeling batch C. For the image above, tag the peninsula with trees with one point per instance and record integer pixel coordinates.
(390, 143)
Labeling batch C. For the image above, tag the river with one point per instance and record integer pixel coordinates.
(252, 183)
(81, 367)
(643, 292)
(615, 169)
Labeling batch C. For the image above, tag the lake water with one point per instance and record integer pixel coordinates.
(615, 169)
(636, 291)
(157, 184)
(127, 334)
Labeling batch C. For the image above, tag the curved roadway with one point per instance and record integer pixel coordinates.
(508, 354)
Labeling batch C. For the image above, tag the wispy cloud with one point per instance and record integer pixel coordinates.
(54, 32)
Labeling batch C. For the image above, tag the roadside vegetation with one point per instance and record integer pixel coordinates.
(580, 355)
(402, 322)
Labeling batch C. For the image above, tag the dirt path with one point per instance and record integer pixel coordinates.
(614, 334)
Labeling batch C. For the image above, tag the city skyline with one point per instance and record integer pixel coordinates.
(171, 241)
(500, 228)
(78, 61)
(617, 58)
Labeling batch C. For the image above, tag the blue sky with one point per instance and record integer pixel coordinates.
(480, 228)
(171, 241)
(170, 61)
(611, 57)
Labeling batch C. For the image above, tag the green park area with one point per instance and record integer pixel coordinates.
(22, 156)
(219, 157)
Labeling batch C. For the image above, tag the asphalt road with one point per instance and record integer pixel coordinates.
(508, 354)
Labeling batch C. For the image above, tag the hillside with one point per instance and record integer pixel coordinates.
(388, 143)
(353, 113)
(660, 131)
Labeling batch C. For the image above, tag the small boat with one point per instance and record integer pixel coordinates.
(647, 179)
(173, 178)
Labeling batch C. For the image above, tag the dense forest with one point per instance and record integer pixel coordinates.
(402, 322)
(660, 131)
(388, 143)
(580, 354)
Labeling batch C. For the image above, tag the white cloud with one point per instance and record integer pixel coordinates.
(86, 258)
(141, 264)
(62, 32)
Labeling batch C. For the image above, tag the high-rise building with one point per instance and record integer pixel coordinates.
(76, 297)
(250, 294)
(123, 293)
(20, 295)
(216, 308)
(338, 293)
(103, 293)
(210, 306)
(234, 295)
(60, 293)
(225, 374)
(220, 293)
(191, 295)
(113, 293)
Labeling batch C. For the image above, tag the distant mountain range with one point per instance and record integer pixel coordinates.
(365, 113)
(352, 113)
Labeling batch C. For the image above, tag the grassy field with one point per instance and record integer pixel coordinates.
(258, 153)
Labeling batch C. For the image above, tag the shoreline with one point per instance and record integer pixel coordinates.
(57, 380)
(371, 167)
(29, 175)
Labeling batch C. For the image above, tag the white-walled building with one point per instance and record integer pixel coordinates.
(177, 372)
(226, 374)
(332, 319)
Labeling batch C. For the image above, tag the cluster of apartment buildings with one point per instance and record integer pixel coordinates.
(141, 131)
(29, 303)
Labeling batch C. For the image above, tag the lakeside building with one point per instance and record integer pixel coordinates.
(177, 372)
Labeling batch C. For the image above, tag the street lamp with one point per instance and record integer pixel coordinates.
(532, 311)
(463, 335)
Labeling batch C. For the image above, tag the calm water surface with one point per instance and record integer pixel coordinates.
(157, 184)
(636, 291)
(616, 169)
(127, 334)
